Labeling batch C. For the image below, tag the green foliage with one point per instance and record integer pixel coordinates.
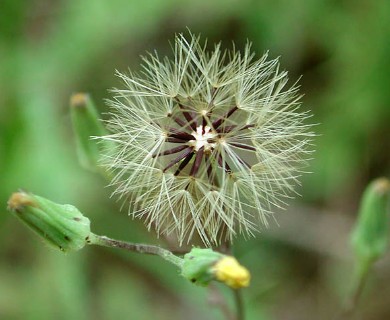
(52, 49)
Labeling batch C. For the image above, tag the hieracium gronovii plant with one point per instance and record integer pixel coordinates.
(206, 142)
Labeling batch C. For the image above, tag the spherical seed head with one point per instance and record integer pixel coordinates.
(207, 142)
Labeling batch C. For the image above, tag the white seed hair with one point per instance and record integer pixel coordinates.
(207, 143)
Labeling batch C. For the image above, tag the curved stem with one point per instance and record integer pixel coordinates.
(136, 247)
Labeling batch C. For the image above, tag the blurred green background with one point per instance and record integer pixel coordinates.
(301, 268)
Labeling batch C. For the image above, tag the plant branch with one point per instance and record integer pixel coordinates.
(136, 247)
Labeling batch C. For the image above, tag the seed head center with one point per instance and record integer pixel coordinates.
(203, 138)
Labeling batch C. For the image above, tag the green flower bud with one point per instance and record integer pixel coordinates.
(370, 236)
(62, 226)
(204, 265)
(197, 266)
(86, 124)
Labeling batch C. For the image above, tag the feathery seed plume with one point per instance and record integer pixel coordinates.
(207, 143)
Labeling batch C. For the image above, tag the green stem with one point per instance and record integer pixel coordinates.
(136, 247)
(360, 277)
(239, 304)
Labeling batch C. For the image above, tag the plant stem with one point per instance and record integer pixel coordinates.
(136, 247)
(360, 277)
(239, 304)
(218, 300)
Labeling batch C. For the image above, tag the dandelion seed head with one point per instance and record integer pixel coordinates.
(207, 143)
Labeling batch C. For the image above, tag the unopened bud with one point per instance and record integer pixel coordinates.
(86, 124)
(62, 226)
(204, 265)
(230, 272)
(370, 237)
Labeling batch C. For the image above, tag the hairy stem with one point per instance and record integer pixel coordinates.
(136, 247)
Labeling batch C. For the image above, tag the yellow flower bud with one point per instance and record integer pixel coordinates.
(230, 272)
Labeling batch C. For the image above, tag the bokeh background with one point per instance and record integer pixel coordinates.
(301, 268)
